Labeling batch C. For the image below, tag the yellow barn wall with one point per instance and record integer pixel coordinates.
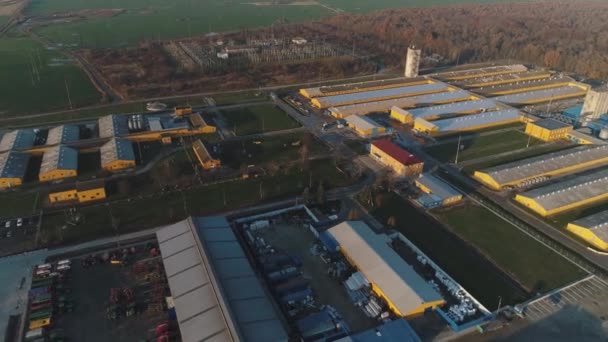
(56, 174)
(10, 182)
(588, 236)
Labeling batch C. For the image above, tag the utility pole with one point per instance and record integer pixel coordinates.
(457, 150)
(499, 303)
(67, 89)
(529, 138)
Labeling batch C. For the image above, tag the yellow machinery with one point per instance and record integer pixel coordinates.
(203, 156)
(548, 129)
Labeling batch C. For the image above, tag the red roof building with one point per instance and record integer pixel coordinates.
(400, 160)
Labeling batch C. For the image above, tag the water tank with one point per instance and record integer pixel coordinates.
(603, 134)
(412, 61)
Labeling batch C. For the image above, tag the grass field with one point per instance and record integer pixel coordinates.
(18, 204)
(479, 146)
(258, 119)
(34, 79)
(534, 265)
(163, 208)
(464, 264)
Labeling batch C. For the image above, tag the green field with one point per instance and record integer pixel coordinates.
(479, 146)
(18, 204)
(258, 119)
(34, 79)
(459, 260)
(534, 265)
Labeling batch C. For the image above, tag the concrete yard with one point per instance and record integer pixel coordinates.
(297, 240)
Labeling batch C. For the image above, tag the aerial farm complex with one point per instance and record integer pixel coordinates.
(362, 211)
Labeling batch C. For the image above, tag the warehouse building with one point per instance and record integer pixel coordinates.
(521, 87)
(113, 126)
(350, 88)
(378, 95)
(364, 126)
(584, 137)
(404, 102)
(399, 160)
(593, 229)
(391, 331)
(83, 192)
(57, 163)
(199, 125)
(544, 95)
(20, 139)
(408, 295)
(63, 134)
(481, 72)
(495, 80)
(437, 112)
(216, 293)
(203, 156)
(548, 129)
(596, 103)
(13, 166)
(566, 195)
(537, 168)
(468, 122)
(117, 154)
(437, 192)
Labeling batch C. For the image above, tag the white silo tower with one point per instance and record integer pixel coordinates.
(412, 61)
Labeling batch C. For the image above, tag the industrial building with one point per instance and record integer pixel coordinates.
(399, 160)
(548, 129)
(199, 125)
(526, 86)
(364, 126)
(480, 72)
(538, 168)
(412, 62)
(379, 95)
(439, 111)
(468, 122)
(83, 192)
(63, 134)
(20, 139)
(566, 195)
(117, 154)
(13, 166)
(391, 331)
(584, 137)
(350, 88)
(57, 163)
(438, 193)
(216, 293)
(407, 294)
(593, 229)
(596, 103)
(112, 126)
(544, 95)
(495, 80)
(203, 156)
(183, 110)
(405, 102)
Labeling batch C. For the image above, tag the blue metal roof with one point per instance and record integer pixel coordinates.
(394, 331)
(63, 134)
(19, 139)
(476, 120)
(124, 149)
(13, 164)
(368, 96)
(59, 158)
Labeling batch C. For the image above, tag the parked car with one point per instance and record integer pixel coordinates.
(19, 222)
(7, 224)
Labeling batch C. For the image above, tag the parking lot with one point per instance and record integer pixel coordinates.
(17, 234)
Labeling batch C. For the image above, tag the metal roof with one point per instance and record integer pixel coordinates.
(113, 125)
(63, 134)
(396, 82)
(480, 72)
(522, 98)
(383, 267)
(59, 157)
(570, 191)
(597, 223)
(362, 122)
(217, 295)
(453, 108)
(13, 164)
(476, 120)
(437, 186)
(368, 96)
(413, 101)
(402, 156)
(502, 78)
(17, 140)
(578, 135)
(398, 330)
(550, 124)
(544, 164)
(117, 149)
